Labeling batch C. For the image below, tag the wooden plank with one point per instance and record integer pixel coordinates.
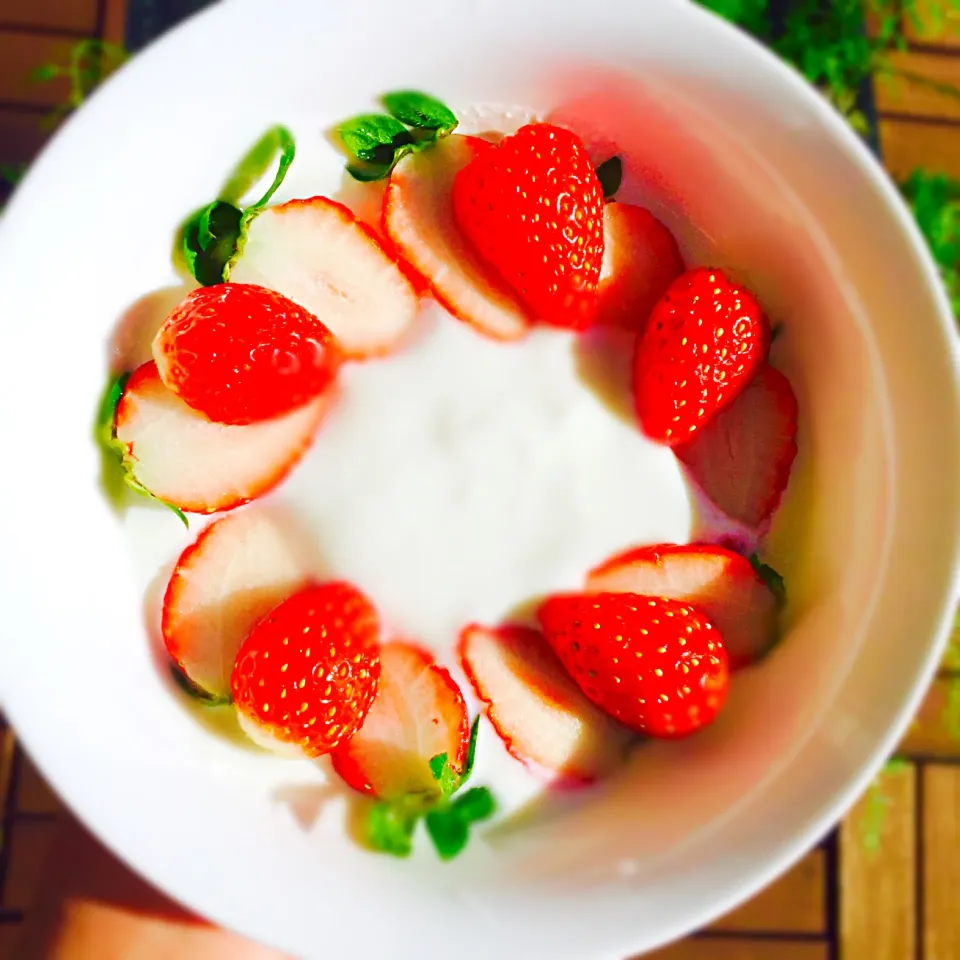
(877, 879)
(737, 948)
(21, 136)
(30, 843)
(9, 940)
(115, 21)
(911, 88)
(34, 796)
(77, 16)
(937, 23)
(935, 731)
(7, 755)
(20, 53)
(941, 862)
(796, 903)
(908, 145)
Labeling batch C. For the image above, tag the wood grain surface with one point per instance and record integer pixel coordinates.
(885, 885)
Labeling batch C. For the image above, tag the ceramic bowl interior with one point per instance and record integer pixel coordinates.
(753, 173)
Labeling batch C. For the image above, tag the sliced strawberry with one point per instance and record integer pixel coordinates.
(540, 714)
(316, 253)
(237, 571)
(203, 467)
(723, 584)
(418, 217)
(742, 460)
(419, 714)
(640, 261)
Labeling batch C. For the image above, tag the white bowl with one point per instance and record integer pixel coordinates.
(753, 171)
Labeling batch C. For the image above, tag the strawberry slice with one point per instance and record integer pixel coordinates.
(742, 460)
(640, 261)
(418, 217)
(538, 711)
(316, 253)
(181, 457)
(232, 575)
(419, 714)
(721, 583)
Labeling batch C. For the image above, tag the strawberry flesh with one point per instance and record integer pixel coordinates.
(703, 342)
(419, 714)
(743, 459)
(239, 353)
(659, 666)
(532, 207)
(721, 583)
(307, 674)
(540, 714)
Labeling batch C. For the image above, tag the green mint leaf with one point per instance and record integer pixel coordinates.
(610, 175)
(475, 804)
(369, 172)
(107, 414)
(390, 828)
(448, 831)
(471, 752)
(374, 138)
(137, 487)
(255, 164)
(210, 239)
(438, 765)
(195, 692)
(770, 577)
(421, 111)
(444, 774)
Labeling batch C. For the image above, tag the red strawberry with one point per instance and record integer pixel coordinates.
(418, 218)
(640, 261)
(419, 714)
(307, 674)
(186, 460)
(723, 584)
(539, 712)
(239, 353)
(533, 209)
(659, 666)
(702, 344)
(319, 255)
(235, 573)
(742, 460)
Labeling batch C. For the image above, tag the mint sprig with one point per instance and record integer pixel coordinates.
(774, 581)
(115, 453)
(214, 236)
(375, 142)
(610, 175)
(447, 813)
(195, 692)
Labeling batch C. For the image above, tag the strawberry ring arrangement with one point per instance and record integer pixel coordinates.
(506, 233)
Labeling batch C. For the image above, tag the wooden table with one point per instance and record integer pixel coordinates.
(885, 885)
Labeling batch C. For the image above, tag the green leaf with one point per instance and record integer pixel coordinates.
(421, 111)
(44, 73)
(374, 138)
(369, 172)
(255, 164)
(770, 577)
(471, 752)
(210, 240)
(448, 831)
(444, 774)
(610, 174)
(475, 804)
(390, 828)
(195, 692)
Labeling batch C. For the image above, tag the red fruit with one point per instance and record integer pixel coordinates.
(532, 207)
(419, 714)
(702, 344)
(742, 460)
(307, 674)
(717, 581)
(640, 261)
(539, 712)
(203, 467)
(418, 218)
(319, 255)
(658, 666)
(235, 573)
(239, 353)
